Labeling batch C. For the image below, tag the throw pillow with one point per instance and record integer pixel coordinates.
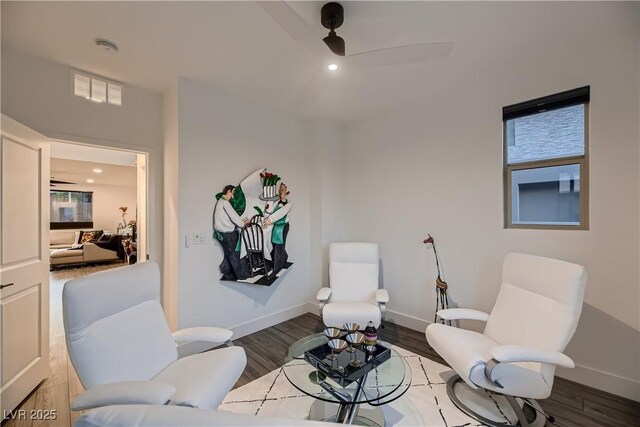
(87, 236)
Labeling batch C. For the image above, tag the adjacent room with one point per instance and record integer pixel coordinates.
(93, 207)
(316, 213)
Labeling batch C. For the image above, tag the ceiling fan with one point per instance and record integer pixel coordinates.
(332, 48)
(332, 18)
(53, 182)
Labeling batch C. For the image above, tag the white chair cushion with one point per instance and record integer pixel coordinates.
(563, 281)
(124, 393)
(131, 345)
(526, 318)
(355, 252)
(467, 353)
(95, 296)
(353, 281)
(335, 314)
(203, 380)
(172, 416)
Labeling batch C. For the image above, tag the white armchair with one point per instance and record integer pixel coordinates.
(353, 295)
(124, 353)
(531, 323)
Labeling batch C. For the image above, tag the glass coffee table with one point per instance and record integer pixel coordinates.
(335, 403)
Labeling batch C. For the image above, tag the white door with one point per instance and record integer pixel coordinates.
(24, 262)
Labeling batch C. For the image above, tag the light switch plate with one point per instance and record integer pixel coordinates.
(198, 238)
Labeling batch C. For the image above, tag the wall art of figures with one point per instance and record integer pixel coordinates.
(251, 222)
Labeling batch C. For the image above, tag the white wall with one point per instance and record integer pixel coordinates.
(37, 93)
(221, 141)
(327, 171)
(436, 167)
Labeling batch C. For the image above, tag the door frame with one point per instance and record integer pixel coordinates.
(141, 152)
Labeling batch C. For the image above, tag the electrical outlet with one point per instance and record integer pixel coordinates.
(198, 239)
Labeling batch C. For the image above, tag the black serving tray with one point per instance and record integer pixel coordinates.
(317, 357)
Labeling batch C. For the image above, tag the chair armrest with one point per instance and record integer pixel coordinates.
(323, 294)
(202, 333)
(462, 314)
(124, 393)
(519, 353)
(382, 296)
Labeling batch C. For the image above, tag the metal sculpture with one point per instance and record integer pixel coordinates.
(442, 299)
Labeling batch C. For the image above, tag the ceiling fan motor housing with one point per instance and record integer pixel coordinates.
(332, 15)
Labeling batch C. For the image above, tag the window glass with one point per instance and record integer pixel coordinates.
(70, 207)
(546, 195)
(547, 135)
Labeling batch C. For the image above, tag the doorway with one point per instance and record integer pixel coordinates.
(98, 206)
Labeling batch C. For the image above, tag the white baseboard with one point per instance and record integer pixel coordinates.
(263, 322)
(601, 380)
(407, 321)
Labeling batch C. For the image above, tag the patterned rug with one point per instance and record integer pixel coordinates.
(425, 403)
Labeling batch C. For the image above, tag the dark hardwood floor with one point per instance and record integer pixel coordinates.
(572, 404)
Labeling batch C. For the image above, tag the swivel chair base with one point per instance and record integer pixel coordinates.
(528, 415)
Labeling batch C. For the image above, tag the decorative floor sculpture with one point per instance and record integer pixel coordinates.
(442, 298)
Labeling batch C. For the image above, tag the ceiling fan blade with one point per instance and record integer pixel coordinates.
(409, 54)
(295, 26)
(56, 181)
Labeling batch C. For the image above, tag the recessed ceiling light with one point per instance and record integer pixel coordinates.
(97, 170)
(332, 67)
(89, 181)
(106, 45)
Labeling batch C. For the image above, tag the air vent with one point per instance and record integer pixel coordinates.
(96, 89)
(82, 86)
(114, 94)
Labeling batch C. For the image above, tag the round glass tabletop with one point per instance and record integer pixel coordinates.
(385, 383)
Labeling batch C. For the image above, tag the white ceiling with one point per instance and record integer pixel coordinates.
(236, 46)
(78, 172)
(63, 150)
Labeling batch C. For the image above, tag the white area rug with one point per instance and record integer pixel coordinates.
(425, 403)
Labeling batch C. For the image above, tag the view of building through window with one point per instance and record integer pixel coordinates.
(544, 159)
(71, 209)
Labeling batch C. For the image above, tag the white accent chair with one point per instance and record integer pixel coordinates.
(124, 353)
(532, 321)
(176, 416)
(353, 295)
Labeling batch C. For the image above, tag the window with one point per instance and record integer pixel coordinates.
(97, 90)
(545, 162)
(71, 209)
